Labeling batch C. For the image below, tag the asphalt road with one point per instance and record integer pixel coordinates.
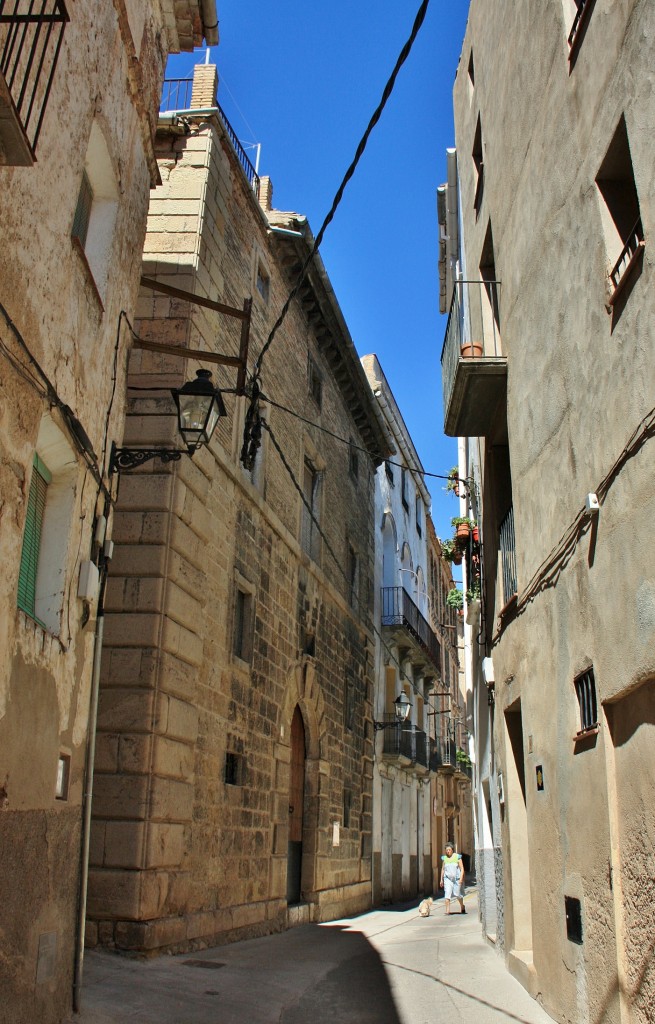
(389, 966)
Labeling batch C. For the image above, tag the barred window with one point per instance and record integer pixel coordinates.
(585, 688)
(29, 559)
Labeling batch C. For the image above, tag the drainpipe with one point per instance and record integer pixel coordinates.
(88, 782)
(210, 21)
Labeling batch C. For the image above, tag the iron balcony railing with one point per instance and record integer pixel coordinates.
(398, 609)
(633, 246)
(443, 754)
(508, 556)
(405, 740)
(472, 330)
(176, 98)
(31, 35)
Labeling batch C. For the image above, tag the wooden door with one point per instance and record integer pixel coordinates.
(296, 804)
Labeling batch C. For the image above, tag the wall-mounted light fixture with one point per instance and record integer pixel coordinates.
(402, 708)
(199, 407)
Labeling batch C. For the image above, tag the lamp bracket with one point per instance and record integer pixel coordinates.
(131, 458)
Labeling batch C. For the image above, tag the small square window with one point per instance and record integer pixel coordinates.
(242, 637)
(263, 283)
(63, 777)
(573, 911)
(233, 775)
(620, 212)
(585, 689)
(478, 160)
(314, 382)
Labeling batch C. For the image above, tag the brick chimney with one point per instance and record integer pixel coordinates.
(265, 193)
(205, 86)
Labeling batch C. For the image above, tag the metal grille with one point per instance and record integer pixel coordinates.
(31, 34)
(585, 688)
(508, 556)
(398, 609)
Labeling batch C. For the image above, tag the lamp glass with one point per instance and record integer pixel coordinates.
(199, 408)
(402, 706)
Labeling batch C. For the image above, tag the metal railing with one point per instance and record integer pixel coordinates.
(176, 98)
(398, 609)
(472, 330)
(443, 754)
(634, 243)
(507, 546)
(405, 740)
(584, 9)
(31, 35)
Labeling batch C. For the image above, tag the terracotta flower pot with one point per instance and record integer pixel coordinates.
(473, 350)
(462, 532)
(476, 535)
(457, 558)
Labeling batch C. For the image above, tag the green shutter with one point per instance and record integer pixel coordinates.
(83, 210)
(29, 559)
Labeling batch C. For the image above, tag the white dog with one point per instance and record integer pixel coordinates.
(424, 907)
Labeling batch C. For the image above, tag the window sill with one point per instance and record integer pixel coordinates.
(593, 730)
(77, 245)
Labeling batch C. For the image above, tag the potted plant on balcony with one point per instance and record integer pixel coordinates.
(453, 481)
(451, 552)
(463, 760)
(473, 602)
(463, 526)
(455, 599)
(472, 350)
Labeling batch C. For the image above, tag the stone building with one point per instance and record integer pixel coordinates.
(79, 94)
(548, 381)
(234, 759)
(407, 661)
(451, 796)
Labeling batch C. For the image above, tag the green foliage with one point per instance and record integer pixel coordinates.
(463, 520)
(455, 599)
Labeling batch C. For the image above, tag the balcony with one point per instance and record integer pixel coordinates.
(31, 34)
(405, 745)
(473, 368)
(443, 756)
(408, 628)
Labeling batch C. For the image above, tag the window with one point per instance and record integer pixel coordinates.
(314, 381)
(478, 160)
(471, 72)
(29, 559)
(403, 488)
(233, 774)
(419, 516)
(620, 213)
(490, 302)
(585, 689)
(353, 460)
(96, 209)
(42, 570)
(388, 469)
(353, 575)
(242, 633)
(309, 534)
(62, 783)
(263, 282)
(573, 911)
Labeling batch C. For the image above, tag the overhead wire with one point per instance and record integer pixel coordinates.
(388, 89)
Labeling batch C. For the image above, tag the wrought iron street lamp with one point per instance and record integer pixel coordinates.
(199, 407)
(402, 708)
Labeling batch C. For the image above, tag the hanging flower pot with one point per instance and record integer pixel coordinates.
(463, 532)
(457, 557)
(476, 534)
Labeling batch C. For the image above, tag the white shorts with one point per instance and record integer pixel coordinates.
(451, 887)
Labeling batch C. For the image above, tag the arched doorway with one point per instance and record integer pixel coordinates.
(296, 805)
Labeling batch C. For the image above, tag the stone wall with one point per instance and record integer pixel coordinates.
(181, 856)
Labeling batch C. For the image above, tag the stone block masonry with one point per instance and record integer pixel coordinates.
(220, 626)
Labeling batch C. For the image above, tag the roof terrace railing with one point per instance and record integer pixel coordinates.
(176, 99)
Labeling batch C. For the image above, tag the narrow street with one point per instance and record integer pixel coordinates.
(386, 967)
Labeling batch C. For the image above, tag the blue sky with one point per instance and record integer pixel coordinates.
(302, 80)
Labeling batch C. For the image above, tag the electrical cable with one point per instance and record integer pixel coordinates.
(388, 89)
